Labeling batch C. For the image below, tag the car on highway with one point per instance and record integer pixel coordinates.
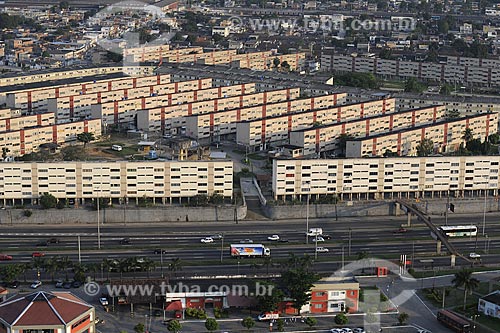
(103, 301)
(321, 249)
(160, 251)
(326, 236)
(125, 241)
(5, 257)
(400, 231)
(318, 239)
(474, 255)
(246, 241)
(36, 284)
(59, 283)
(42, 243)
(207, 240)
(274, 238)
(283, 240)
(37, 254)
(53, 240)
(216, 236)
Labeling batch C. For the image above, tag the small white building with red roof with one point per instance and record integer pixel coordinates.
(54, 312)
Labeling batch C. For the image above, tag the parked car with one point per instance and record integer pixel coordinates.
(321, 249)
(36, 284)
(359, 330)
(207, 240)
(14, 284)
(346, 330)
(5, 257)
(37, 254)
(336, 330)
(178, 314)
(59, 283)
(273, 238)
(157, 313)
(98, 320)
(160, 251)
(125, 241)
(103, 301)
(67, 285)
(76, 284)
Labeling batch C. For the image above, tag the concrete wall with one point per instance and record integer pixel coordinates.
(378, 208)
(119, 215)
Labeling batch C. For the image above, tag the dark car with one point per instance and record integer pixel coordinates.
(326, 236)
(67, 285)
(283, 240)
(125, 241)
(160, 251)
(76, 284)
(400, 231)
(59, 283)
(53, 241)
(158, 313)
(42, 243)
(14, 284)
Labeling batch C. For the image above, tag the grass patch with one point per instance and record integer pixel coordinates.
(430, 273)
(254, 156)
(238, 151)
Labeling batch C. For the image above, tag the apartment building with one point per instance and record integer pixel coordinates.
(147, 49)
(314, 140)
(445, 134)
(159, 54)
(18, 123)
(207, 58)
(202, 126)
(450, 72)
(377, 178)
(163, 182)
(44, 76)
(125, 111)
(36, 99)
(80, 106)
(9, 113)
(276, 128)
(28, 140)
(165, 118)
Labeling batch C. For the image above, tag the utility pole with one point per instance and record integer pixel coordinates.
(221, 248)
(484, 212)
(161, 263)
(79, 251)
(447, 208)
(350, 237)
(307, 219)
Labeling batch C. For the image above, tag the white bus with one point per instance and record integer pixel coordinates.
(459, 231)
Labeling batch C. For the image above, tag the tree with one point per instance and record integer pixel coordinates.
(425, 147)
(270, 300)
(452, 114)
(298, 283)
(359, 80)
(467, 135)
(285, 65)
(445, 89)
(412, 85)
(281, 325)
(342, 142)
(85, 137)
(494, 138)
(216, 199)
(5, 151)
(464, 279)
(73, 153)
(48, 201)
(311, 321)
(386, 53)
(211, 324)
(402, 318)
(341, 319)
(248, 323)
(175, 265)
(174, 326)
(276, 62)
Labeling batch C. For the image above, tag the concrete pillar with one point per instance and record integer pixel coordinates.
(397, 209)
(438, 247)
(452, 264)
(408, 223)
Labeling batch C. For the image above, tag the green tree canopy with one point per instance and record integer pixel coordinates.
(464, 279)
(85, 137)
(425, 147)
(174, 326)
(211, 324)
(248, 323)
(48, 201)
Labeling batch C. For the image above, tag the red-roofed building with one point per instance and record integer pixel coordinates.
(48, 312)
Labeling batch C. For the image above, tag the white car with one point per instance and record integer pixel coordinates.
(321, 249)
(207, 240)
(318, 239)
(474, 255)
(359, 330)
(36, 284)
(346, 330)
(336, 330)
(103, 301)
(273, 238)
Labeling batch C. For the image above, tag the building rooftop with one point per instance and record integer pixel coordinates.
(42, 308)
(494, 297)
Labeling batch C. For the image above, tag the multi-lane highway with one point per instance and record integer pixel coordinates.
(375, 236)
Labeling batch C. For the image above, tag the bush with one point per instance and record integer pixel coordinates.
(28, 213)
(341, 319)
(60, 204)
(47, 201)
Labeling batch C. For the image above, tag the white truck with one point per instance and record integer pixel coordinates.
(268, 316)
(315, 232)
(249, 250)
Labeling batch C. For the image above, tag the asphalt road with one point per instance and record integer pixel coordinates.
(376, 236)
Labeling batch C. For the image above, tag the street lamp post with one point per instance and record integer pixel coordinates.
(484, 211)
(161, 262)
(350, 237)
(307, 219)
(221, 248)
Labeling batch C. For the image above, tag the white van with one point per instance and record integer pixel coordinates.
(116, 147)
(315, 232)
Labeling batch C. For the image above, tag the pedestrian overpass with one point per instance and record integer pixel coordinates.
(412, 209)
